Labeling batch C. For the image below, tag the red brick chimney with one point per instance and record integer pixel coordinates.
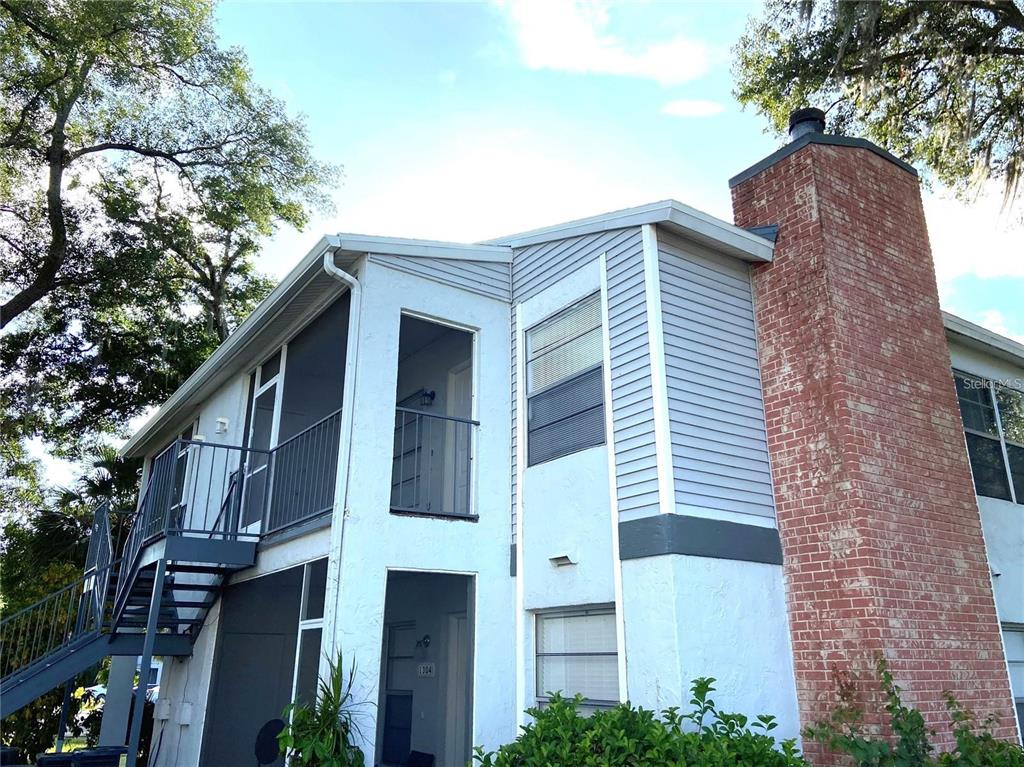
(876, 508)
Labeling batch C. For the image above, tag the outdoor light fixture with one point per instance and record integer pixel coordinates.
(425, 642)
(427, 397)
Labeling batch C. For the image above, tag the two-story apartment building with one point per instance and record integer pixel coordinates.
(605, 457)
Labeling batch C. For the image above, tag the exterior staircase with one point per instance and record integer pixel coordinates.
(202, 512)
(106, 612)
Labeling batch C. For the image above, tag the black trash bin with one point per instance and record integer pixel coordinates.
(9, 755)
(101, 756)
(62, 759)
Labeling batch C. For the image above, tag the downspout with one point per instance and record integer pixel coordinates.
(344, 444)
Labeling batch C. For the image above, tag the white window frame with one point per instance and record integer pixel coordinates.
(307, 624)
(275, 427)
(541, 694)
(530, 392)
(1000, 437)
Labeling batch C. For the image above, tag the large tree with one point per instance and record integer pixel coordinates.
(938, 83)
(139, 168)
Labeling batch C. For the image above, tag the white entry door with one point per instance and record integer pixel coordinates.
(264, 422)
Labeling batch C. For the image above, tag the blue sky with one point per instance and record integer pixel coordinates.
(466, 121)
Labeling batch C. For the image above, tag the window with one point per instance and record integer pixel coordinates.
(1013, 640)
(576, 654)
(311, 622)
(993, 417)
(564, 382)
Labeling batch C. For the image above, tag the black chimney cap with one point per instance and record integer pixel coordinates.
(806, 120)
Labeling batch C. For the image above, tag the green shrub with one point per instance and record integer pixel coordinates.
(910, 744)
(321, 734)
(559, 736)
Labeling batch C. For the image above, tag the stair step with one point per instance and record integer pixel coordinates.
(189, 604)
(212, 569)
(163, 622)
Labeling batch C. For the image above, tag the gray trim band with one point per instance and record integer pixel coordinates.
(698, 537)
(512, 560)
(818, 138)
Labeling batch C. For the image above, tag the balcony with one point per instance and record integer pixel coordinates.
(202, 490)
(434, 433)
(431, 468)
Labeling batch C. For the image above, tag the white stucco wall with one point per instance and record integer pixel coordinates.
(566, 512)
(374, 540)
(1003, 523)
(185, 685)
(688, 617)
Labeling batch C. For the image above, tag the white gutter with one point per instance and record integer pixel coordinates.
(344, 449)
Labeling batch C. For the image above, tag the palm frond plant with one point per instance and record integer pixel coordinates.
(321, 734)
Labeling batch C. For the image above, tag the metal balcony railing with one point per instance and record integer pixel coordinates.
(432, 464)
(199, 488)
(303, 470)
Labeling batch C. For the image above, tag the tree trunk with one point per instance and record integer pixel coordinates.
(46, 275)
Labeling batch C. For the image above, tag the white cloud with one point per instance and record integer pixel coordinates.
(573, 36)
(482, 182)
(977, 239)
(994, 320)
(693, 108)
(447, 77)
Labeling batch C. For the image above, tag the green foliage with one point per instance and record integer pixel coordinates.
(139, 167)
(559, 736)
(909, 744)
(43, 542)
(941, 84)
(320, 734)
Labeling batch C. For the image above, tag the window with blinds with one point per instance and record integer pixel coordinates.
(565, 383)
(576, 654)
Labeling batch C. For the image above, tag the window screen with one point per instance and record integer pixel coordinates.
(993, 417)
(576, 654)
(565, 382)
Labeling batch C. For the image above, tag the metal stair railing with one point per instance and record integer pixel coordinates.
(58, 620)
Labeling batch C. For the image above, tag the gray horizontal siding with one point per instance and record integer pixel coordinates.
(484, 277)
(636, 463)
(538, 267)
(716, 413)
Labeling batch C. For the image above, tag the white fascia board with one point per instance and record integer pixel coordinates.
(235, 343)
(983, 339)
(682, 219)
(396, 246)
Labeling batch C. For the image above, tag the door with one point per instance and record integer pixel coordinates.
(264, 423)
(456, 750)
(399, 675)
(458, 440)
(251, 679)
